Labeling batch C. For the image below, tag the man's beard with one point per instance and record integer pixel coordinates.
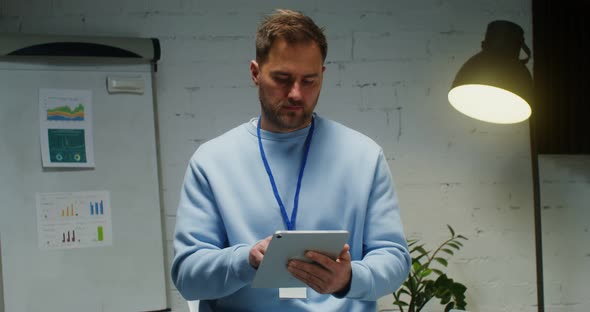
(280, 119)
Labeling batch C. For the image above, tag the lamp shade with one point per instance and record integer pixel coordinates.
(495, 85)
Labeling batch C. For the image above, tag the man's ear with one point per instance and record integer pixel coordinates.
(254, 71)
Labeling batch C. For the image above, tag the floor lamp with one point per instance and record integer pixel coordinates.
(496, 86)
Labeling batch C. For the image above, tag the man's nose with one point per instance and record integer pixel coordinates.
(295, 92)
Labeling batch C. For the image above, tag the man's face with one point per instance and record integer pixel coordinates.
(289, 84)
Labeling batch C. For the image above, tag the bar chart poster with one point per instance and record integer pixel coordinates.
(70, 220)
(66, 128)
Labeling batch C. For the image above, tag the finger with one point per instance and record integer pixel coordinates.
(257, 252)
(326, 261)
(299, 271)
(315, 271)
(321, 259)
(263, 244)
(344, 254)
(255, 258)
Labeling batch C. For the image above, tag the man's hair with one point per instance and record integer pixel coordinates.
(292, 26)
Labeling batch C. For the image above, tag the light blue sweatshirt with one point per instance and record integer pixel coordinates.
(227, 205)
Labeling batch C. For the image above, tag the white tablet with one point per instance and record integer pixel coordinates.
(286, 245)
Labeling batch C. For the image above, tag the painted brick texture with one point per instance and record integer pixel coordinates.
(389, 66)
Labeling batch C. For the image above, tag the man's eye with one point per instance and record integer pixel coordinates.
(308, 81)
(282, 79)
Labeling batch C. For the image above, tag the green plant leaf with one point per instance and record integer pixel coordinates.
(437, 271)
(458, 243)
(454, 245)
(413, 283)
(421, 286)
(441, 261)
(458, 288)
(452, 231)
(449, 306)
(450, 252)
(419, 248)
(416, 266)
(400, 303)
(418, 258)
(425, 273)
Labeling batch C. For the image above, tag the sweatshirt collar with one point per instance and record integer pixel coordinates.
(277, 136)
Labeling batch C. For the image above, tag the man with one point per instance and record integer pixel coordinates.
(288, 169)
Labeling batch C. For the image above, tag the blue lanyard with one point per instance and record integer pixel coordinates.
(290, 224)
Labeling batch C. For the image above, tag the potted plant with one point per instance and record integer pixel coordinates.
(427, 280)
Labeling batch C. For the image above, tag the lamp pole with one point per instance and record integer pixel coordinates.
(537, 213)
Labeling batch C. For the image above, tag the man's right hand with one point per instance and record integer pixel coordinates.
(257, 252)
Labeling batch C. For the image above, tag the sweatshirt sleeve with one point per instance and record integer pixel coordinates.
(386, 260)
(204, 266)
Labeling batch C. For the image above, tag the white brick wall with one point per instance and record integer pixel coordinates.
(565, 191)
(389, 67)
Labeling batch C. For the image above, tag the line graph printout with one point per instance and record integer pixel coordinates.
(74, 220)
(65, 118)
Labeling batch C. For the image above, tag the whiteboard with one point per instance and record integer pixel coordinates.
(129, 274)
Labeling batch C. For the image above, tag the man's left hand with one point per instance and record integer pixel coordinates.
(324, 275)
